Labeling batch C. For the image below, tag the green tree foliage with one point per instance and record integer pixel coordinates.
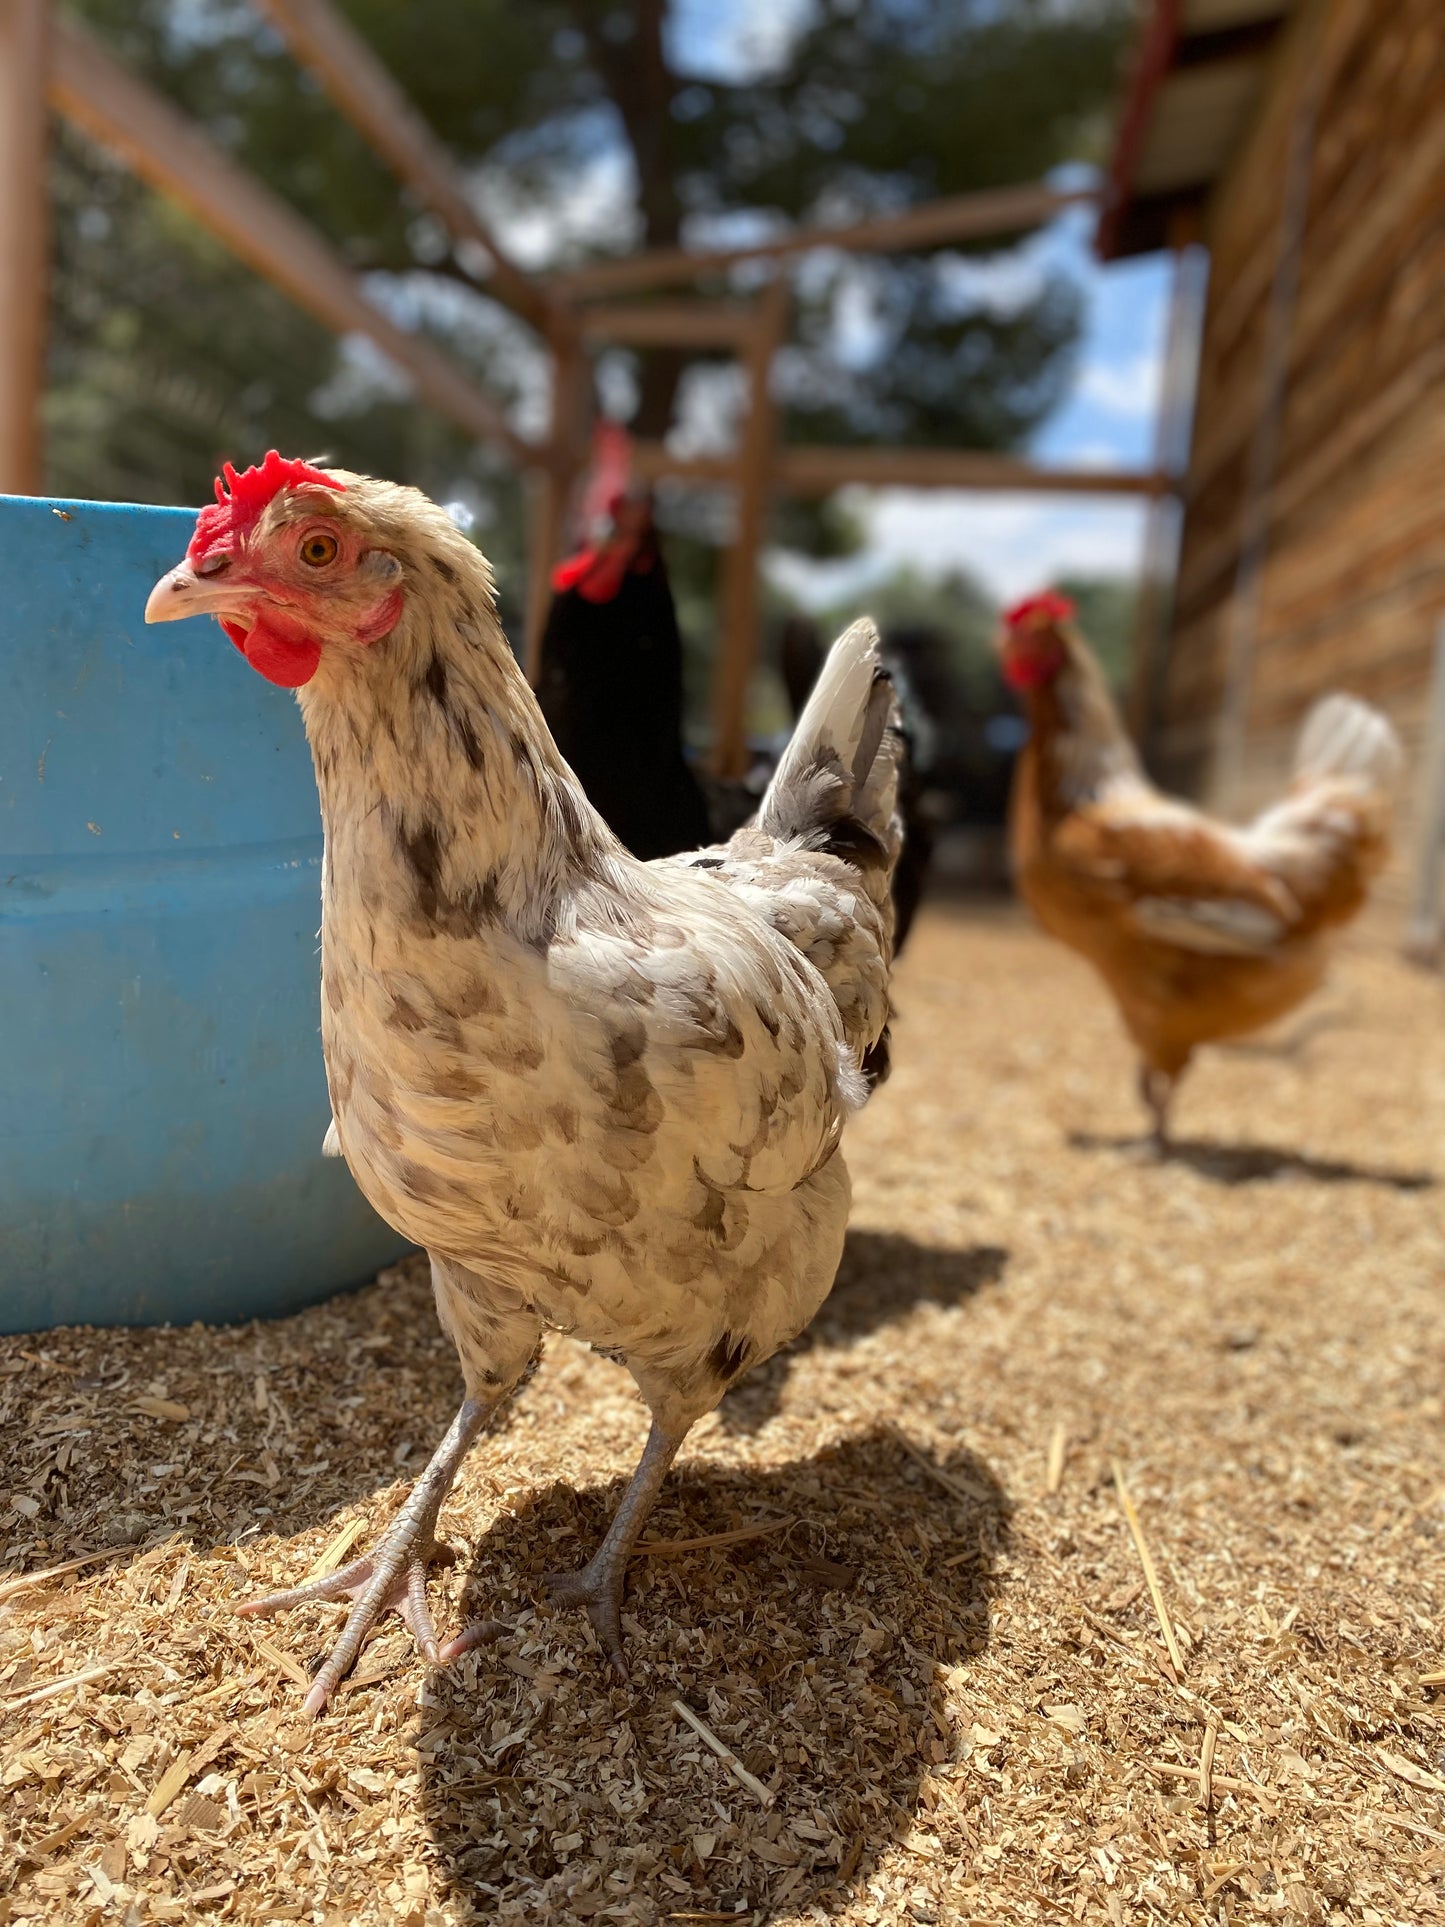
(1106, 609)
(168, 355)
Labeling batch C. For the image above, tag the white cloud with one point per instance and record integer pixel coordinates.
(1101, 455)
(736, 43)
(1002, 283)
(593, 207)
(1129, 388)
(1011, 543)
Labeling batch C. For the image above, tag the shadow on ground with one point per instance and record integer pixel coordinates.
(817, 1653)
(882, 1278)
(288, 1422)
(1255, 1163)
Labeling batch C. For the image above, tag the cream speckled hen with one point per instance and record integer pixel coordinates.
(605, 1096)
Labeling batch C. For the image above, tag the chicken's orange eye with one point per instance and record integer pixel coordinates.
(318, 550)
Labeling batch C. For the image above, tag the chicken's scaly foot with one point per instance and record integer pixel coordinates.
(1157, 1088)
(393, 1578)
(598, 1589)
(599, 1585)
(406, 1595)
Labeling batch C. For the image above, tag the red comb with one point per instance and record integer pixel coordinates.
(1048, 607)
(611, 466)
(241, 500)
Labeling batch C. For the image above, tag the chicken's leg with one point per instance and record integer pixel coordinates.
(598, 1586)
(393, 1578)
(1156, 1087)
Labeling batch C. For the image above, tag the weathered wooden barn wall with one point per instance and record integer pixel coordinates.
(1352, 582)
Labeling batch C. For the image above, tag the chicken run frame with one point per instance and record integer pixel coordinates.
(1172, 184)
(47, 60)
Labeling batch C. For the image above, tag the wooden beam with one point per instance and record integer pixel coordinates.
(1242, 617)
(1173, 417)
(671, 324)
(323, 39)
(1427, 923)
(961, 217)
(1152, 61)
(24, 240)
(739, 602)
(818, 471)
(803, 470)
(551, 488)
(155, 139)
(655, 462)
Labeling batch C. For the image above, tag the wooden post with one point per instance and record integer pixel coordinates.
(1426, 927)
(1245, 601)
(1188, 281)
(550, 487)
(24, 239)
(738, 623)
(169, 151)
(324, 39)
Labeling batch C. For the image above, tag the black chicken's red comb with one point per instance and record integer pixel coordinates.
(1048, 607)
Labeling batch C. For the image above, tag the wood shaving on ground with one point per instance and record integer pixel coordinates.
(944, 1667)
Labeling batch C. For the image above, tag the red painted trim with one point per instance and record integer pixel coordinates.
(1157, 48)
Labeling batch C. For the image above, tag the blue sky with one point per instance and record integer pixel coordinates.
(1013, 542)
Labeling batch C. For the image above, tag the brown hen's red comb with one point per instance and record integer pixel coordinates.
(241, 500)
(1048, 607)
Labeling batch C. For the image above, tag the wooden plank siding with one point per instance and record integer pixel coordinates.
(1353, 580)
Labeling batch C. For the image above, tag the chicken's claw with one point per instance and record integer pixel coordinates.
(598, 1589)
(378, 1585)
(393, 1578)
(598, 1586)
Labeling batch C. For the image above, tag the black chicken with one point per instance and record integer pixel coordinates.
(611, 686)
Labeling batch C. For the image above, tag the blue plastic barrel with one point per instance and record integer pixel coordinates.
(162, 1097)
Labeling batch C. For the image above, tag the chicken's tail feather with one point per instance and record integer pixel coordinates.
(1343, 737)
(836, 787)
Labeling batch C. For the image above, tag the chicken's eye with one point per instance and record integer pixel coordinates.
(318, 550)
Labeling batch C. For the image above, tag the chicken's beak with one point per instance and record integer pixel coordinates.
(181, 592)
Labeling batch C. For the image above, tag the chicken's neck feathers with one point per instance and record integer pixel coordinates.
(440, 785)
(1080, 746)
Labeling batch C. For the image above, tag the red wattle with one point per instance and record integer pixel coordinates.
(568, 574)
(597, 574)
(287, 661)
(1032, 672)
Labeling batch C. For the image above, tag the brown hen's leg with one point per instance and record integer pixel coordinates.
(1157, 1088)
(393, 1578)
(598, 1586)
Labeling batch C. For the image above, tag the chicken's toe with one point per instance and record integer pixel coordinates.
(378, 1584)
(481, 1632)
(393, 1578)
(598, 1589)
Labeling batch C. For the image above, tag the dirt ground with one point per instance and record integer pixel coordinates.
(941, 1664)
